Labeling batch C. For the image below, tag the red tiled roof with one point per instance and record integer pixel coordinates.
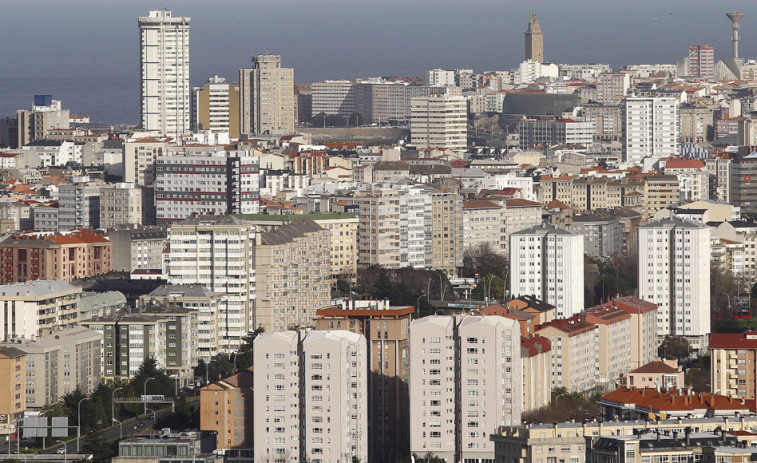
(679, 163)
(535, 345)
(734, 340)
(673, 400)
(480, 204)
(572, 326)
(630, 304)
(517, 202)
(656, 367)
(555, 204)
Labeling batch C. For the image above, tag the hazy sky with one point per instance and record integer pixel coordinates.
(88, 40)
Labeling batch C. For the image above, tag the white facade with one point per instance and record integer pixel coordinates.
(440, 77)
(454, 419)
(650, 128)
(37, 308)
(439, 122)
(78, 206)
(164, 63)
(415, 229)
(335, 97)
(674, 273)
(214, 183)
(217, 253)
(531, 70)
(311, 396)
(548, 262)
(120, 203)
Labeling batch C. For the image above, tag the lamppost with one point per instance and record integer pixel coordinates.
(78, 423)
(65, 451)
(418, 303)
(120, 428)
(145, 392)
(113, 403)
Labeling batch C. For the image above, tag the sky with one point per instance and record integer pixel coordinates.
(85, 52)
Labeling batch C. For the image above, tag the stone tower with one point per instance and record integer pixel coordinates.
(534, 40)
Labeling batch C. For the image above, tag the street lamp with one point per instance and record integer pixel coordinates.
(145, 392)
(418, 303)
(65, 454)
(78, 423)
(113, 403)
(120, 428)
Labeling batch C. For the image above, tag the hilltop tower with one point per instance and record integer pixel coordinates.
(534, 40)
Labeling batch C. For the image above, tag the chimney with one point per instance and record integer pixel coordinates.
(687, 433)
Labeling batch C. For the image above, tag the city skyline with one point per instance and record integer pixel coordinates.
(357, 41)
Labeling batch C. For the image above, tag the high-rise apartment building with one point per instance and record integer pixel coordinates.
(34, 124)
(547, 262)
(534, 40)
(465, 379)
(120, 203)
(742, 180)
(386, 330)
(12, 382)
(266, 97)
(446, 231)
(214, 183)
(60, 363)
(313, 390)
(674, 261)
(701, 61)
(139, 159)
(164, 62)
(650, 128)
(217, 252)
(612, 87)
(293, 264)
(79, 206)
(215, 107)
(439, 121)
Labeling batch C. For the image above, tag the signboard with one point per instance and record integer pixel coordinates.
(35, 426)
(60, 426)
(153, 398)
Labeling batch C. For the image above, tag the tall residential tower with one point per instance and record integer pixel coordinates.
(266, 97)
(164, 61)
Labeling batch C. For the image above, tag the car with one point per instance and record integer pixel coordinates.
(61, 450)
(141, 423)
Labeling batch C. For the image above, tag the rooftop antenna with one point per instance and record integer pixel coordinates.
(735, 17)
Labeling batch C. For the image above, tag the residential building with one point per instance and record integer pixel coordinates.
(742, 188)
(98, 304)
(696, 124)
(650, 128)
(731, 375)
(386, 330)
(43, 218)
(226, 408)
(79, 206)
(440, 77)
(534, 40)
(542, 132)
(674, 258)
(343, 228)
(54, 256)
(454, 399)
(519, 214)
(139, 159)
(439, 121)
(164, 63)
(293, 261)
(483, 226)
(12, 381)
(35, 124)
(208, 306)
(217, 252)
(612, 351)
(547, 262)
(214, 183)
(665, 374)
(378, 237)
(607, 121)
(446, 231)
(660, 191)
(36, 308)
(166, 334)
(266, 97)
(338, 97)
(568, 440)
(693, 178)
(299, 375)
(602, 233)
(137, 249)
(60, 363)
(637, 404)
(643, 331)
(612, 87)
(537, 372)
(701, 61)
(573, 347)
(120, 203)
(215, 107)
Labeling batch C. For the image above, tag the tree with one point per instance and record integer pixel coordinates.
(102, 451)
(319, 120)
(356, 119)
(674, 347)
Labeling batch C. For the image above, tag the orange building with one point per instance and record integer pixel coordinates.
(226, 408)
(53, 256)
(386, 329)
(12, 390)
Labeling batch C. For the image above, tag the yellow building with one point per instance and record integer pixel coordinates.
(215, 107)
(226, 408)
(12, 390)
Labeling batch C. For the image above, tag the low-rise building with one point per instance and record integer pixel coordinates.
(120, 203)
(733, 356)
(639, 404)
(168, 447)
(664, 374)
(138, 249)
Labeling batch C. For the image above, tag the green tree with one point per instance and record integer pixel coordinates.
(101, 416)
(674, 347)
(356, 119)
(102, 451)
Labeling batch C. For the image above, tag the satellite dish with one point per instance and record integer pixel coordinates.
(652, 416)
(663, 415)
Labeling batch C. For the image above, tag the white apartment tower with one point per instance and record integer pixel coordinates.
(439, 121)
(311, 397)
(548, 262)
(650, 128)
(674, 273)
(266, 97)
(217, 252)
(465, 381)
(164, 60)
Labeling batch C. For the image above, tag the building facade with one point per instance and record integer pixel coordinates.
(215, 107)
(439, 121)
(650, 128)
(120, 203)
(266, 97)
